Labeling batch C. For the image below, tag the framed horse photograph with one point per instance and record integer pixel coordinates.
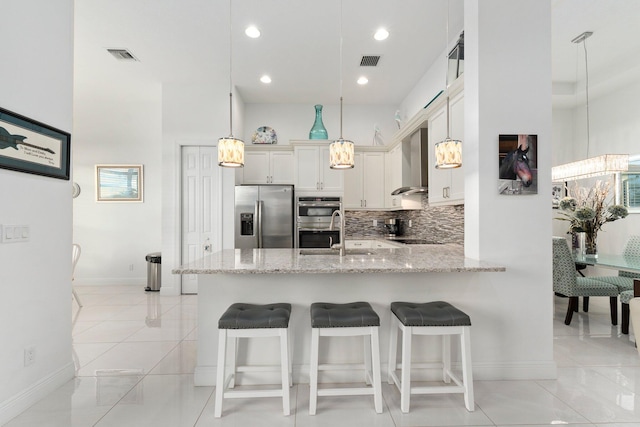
(518, 164)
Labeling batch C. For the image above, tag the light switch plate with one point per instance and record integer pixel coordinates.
(14, 233)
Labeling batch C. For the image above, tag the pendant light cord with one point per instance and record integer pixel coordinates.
(230, 73)
(446, 68)
(586, 70)
(340, 69)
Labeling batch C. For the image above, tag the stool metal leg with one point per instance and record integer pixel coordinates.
(375, 361)
(284, 364)
(393, 348)
(313, 371)
(290, 359)
(405, 382)
(467, 376)
(222, 353)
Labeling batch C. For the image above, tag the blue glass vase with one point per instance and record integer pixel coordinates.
(318, 131)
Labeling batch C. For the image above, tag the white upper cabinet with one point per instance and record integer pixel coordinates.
(364, 184)
(446, 186)
(268, 167)
(312, 172)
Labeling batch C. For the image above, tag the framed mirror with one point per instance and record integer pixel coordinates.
(119, 183)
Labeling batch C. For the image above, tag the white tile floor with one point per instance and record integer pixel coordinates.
(135, 354)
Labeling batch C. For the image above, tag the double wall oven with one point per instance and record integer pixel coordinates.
(313, 216)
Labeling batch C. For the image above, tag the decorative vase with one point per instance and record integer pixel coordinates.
(578, 243)
(318, 131)
(590, 244)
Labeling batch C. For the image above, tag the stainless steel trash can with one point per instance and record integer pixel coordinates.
(154, 272)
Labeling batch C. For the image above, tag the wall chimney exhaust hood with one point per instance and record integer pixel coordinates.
(418, 167)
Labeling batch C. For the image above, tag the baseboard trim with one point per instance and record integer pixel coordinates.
(134, 281)
(17, 404)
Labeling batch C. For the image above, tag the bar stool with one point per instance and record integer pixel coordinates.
(252, 321)
(432, 318)
(340, 320)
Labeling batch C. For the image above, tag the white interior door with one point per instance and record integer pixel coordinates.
(201, 195)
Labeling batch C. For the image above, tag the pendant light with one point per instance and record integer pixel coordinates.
(448, 152)
(341, 151)
(605, 164)
(230, 149)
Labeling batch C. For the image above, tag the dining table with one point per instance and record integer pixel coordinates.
(611, 261)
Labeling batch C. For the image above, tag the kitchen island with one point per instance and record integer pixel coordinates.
(301, 277)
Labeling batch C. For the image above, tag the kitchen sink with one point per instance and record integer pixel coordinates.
(322, 251)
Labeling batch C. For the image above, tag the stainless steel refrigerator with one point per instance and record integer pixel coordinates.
(264, 216)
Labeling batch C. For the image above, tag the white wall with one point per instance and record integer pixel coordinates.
(35, 301)
(116, 236)
(293, 121)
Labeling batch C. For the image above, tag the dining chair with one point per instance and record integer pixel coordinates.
(624, 279)
(75, 255)
(567, 284)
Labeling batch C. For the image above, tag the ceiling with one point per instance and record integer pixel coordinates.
(189, 41)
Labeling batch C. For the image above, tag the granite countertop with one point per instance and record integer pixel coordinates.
(445, 258)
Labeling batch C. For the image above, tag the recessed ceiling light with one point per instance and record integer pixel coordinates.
(363, 80)
(381, 34)
(265, 79)
(252, 31)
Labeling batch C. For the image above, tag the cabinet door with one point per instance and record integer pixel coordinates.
(256, 167)
(330, 179)
(281, 167)
(393, 176)
(373, 180)
(306, 163)
(456, 119)
(439, 179)
(353, 184)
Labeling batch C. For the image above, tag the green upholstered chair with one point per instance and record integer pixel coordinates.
(566, 283)
(624, 279)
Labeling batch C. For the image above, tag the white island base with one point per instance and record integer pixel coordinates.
(380, 277)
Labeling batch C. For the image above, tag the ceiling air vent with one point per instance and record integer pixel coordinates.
(122, 54)
(369, 60)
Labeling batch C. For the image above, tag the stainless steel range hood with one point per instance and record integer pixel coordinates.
(418, 182)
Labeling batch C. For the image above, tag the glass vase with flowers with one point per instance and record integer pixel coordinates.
(587, 210)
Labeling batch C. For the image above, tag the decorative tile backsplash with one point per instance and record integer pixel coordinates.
(441, 224)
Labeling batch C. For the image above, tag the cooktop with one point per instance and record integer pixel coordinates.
(416, 241)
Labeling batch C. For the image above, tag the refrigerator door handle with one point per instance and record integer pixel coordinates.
(259, 221)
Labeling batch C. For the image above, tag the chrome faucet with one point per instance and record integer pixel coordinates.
(342, 224)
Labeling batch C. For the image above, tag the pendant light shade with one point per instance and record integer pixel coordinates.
(341, 154)
(448, 152)
(605, 164)
(230, 152)
(230, 149)
(341, 151)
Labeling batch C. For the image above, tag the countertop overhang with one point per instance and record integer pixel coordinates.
(445, 258)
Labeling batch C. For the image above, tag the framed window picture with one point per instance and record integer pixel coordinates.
(33, 147)
(119, 183)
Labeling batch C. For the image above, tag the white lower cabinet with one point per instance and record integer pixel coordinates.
(364, 184)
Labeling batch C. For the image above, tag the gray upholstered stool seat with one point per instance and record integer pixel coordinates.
(431, 318)
(251, 316)
(243, 320)
(351, 319)
(436, 313)
(350, 315)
